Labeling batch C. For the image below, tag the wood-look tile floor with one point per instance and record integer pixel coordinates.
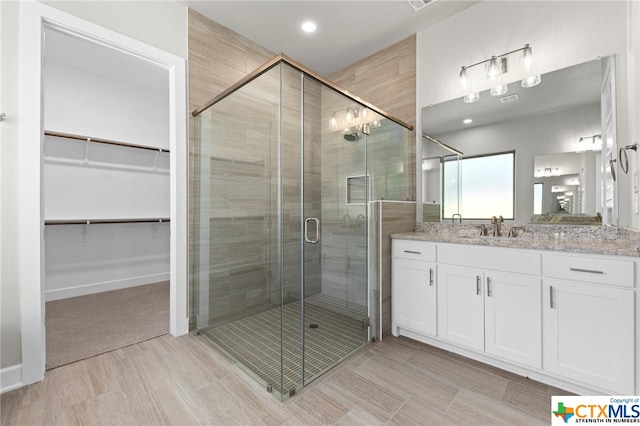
(184, 381)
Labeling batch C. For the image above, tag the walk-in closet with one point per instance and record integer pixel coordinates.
(105, 192)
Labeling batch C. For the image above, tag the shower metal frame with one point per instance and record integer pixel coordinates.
(282, 58)
(276, 61)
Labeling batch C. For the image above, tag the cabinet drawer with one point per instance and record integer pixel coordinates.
(416, 250)
(590, 269)
(507, 260)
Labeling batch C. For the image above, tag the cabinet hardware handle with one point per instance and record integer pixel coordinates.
(478, 284)
(551, 296)
(488, 287)
(590, 271)
(430, 276)
(412, 252)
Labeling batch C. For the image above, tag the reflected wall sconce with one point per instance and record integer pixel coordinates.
(354, 119)
(589, 143)
(547, 172)
(495, 67)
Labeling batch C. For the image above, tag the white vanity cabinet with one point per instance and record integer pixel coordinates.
(588, 321)
(495, 311)
(414, 287)
(563, 318)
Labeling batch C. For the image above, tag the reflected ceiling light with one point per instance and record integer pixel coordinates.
(467, 121)
(309, 27)
(495, 67)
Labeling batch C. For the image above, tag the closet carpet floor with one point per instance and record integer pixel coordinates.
(82, 327)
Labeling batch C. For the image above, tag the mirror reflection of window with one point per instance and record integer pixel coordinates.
(538, 189)
(480, 187)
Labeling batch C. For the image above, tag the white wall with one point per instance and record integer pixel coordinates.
(86, 259)
(160, 24)
(83, 103)
(10, 342)
(633, 52)
(561, 33)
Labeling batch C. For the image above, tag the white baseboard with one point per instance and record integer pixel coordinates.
(91, 288)
(10, 378)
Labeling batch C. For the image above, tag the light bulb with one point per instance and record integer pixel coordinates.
(494, 68)
(333, 123)
(499, 90)
(471, 98)
(349, 115)
(464, 80)
(527, 58)
(532, 81)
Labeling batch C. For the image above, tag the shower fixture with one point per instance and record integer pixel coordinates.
(351, 137)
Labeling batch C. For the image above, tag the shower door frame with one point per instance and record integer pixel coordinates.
(307, 73)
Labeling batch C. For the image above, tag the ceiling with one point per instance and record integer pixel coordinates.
(348, 31)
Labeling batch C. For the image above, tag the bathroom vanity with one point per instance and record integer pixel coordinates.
(558, 310)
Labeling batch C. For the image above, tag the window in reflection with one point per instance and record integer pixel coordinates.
(479, 187)
(538, 189)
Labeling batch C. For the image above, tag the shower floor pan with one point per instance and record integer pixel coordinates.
(254, 342)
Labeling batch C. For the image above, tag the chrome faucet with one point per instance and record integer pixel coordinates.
(453, 218)
(496, 222)
(483, 230)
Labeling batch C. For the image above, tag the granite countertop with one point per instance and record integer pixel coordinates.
(565, 238)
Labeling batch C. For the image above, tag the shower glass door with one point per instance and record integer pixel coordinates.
(334, 227)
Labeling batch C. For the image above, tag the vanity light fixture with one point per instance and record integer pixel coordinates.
(589, 143)
(467, 121)
(495, 67)
(354, 119)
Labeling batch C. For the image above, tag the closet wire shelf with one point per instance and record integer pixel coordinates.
(100, 140)
(104, 221)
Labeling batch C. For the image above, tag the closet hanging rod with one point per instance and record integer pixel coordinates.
(103, 141)
(103, 221)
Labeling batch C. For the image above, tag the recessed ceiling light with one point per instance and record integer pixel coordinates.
(309, 27)
(467, 121)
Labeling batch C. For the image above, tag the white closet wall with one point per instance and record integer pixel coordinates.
(119, 192)
(84, 103)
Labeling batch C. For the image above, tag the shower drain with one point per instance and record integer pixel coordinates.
(313, 326)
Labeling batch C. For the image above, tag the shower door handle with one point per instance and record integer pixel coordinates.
(306, 230)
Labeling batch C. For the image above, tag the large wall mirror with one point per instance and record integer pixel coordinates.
(555, 129)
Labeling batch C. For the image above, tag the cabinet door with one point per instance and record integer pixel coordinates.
(414, 296)
(588, 334)
(513, 323)
(461, 305)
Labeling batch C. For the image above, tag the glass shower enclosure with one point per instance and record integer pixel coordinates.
(281, 181)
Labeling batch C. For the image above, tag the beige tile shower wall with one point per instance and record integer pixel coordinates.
(395, 217)
(387, 79)
(218, 58)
